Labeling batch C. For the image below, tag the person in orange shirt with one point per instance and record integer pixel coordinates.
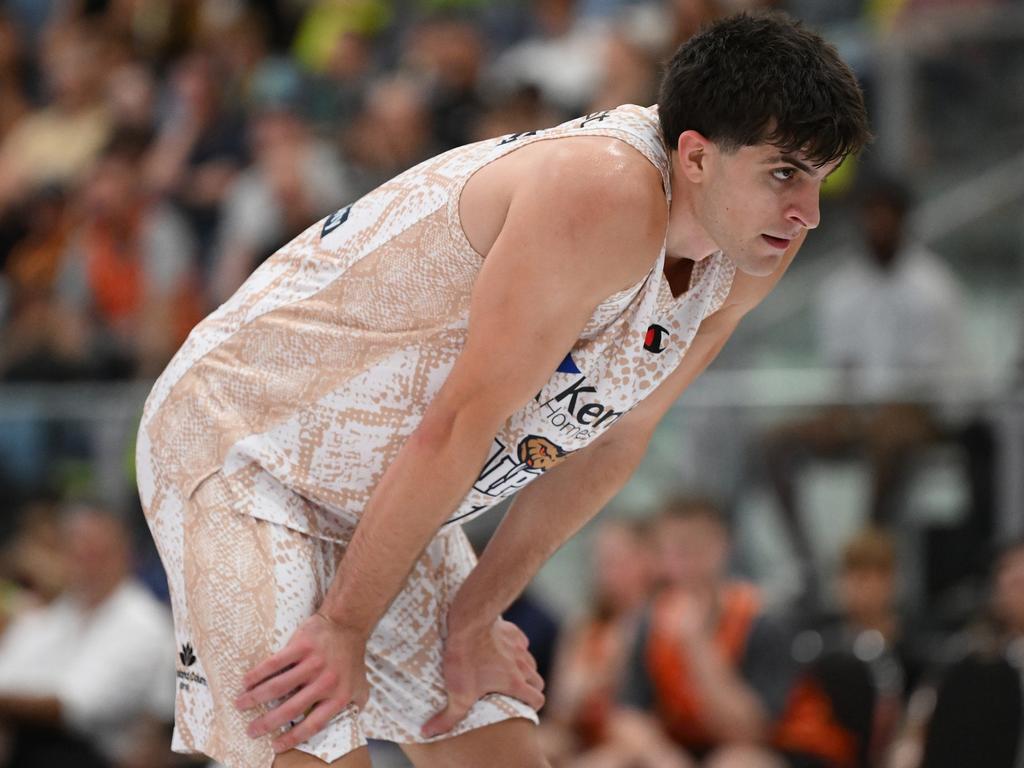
(710, 671)
(592, 657)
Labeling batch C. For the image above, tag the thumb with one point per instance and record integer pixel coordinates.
(444, 720)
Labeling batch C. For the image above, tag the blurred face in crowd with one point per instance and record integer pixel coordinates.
(71, 71)
(621, 567)
(691, 551)
(97, 553)
(751, 202)
(867, 592)
(1009, 590)
(882, 222)
(111, 194)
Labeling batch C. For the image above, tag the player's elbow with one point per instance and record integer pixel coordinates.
(456, 425)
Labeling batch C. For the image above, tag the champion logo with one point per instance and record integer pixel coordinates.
(656, 338)
(187, 655)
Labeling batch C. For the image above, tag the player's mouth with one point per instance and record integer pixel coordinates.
(781, 243)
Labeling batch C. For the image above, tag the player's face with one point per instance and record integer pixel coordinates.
(757, 200)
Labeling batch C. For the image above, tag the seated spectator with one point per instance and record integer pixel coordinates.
(56, 143)
(709, 674)
(631, 50)
(41, 340)
(448, 52)
(392, 132)
(13, 103)
(32, 569)
(199, 148)
(129, 270)
(870, 632)
(592, 655)
(294, 180)
(562, 58)
(82, 676)
(891, 320)
(970, 710)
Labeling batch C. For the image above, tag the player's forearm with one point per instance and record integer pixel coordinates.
(429, 476)
(544, 515)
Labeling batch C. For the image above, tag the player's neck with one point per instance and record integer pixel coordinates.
(687, 238)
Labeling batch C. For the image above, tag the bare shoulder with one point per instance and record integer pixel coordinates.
(587, 171)
(592, 194)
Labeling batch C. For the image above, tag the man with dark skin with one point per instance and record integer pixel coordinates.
(582, 238)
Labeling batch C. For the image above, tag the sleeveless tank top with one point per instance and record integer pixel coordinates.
(323, 362)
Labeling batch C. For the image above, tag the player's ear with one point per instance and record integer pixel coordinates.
(692, 151)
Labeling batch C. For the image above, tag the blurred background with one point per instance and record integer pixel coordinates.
(834, 512)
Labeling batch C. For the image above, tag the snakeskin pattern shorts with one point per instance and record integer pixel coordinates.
(240, 586)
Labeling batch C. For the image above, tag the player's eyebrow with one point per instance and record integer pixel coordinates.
(792, 161)
(787, 158)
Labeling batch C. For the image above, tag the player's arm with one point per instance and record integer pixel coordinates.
(579, 228)
(548, 511)
(578, 487)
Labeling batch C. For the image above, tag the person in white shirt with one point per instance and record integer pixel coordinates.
(96, 664)
(891, 318)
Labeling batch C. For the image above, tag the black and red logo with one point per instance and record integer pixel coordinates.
(656, 338)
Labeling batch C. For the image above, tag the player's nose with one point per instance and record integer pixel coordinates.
(805, 209)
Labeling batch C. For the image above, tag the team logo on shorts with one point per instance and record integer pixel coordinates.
(655, 339)
(187, 655)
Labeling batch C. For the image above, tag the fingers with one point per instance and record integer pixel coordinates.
(534, 680)
(529, 695)
(271, 666)
(276, 687)
(287, 711)
(313, 723)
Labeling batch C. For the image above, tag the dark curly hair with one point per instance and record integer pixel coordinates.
(764, 78)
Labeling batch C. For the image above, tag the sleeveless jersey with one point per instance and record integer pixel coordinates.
(323, 362)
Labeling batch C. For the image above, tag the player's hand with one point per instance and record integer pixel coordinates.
(496, 660)
(314, 677)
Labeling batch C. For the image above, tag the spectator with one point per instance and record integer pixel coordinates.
(631, 52)
(56, 143)
(79, 676)
(448, 52)
(129, 270)
(295, 179)
(518, 112)
(32, 568)
(200, 147)
(891, 319)
(41, 340)
(592, 656)
(392, 133)
(708, 675)
(562, 59)
(870, 628)
(13, 103)
(970, 710)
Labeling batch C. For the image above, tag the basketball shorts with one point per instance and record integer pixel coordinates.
(241, 585)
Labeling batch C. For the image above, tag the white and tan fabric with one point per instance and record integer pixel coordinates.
(316, 371)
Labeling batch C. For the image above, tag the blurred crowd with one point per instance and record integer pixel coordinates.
(154, 152)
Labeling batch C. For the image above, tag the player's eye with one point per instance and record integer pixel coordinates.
(783, 174)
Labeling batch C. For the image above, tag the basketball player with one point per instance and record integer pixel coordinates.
(513, 315)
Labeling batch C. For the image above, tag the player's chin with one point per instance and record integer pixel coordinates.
(758, 264)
